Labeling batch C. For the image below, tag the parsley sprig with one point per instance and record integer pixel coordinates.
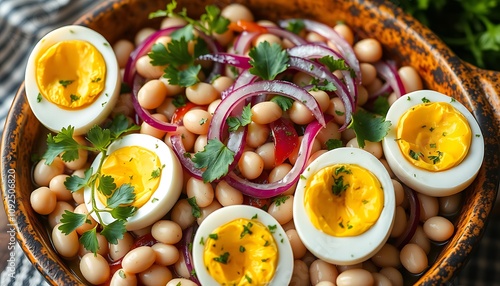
(118, 198)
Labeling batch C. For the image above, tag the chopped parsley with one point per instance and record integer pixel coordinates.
(283, 102)
(195, 209)
(268, 60)
(74, 97)
(214, 236)
(279, 200)
(436, 158)
(236, 122)
(425, 100)
(333, 144)
(216, 158)
(246, 229)
(39, 97)
(242, 248)
(156, 173)
(296, 26)
(223, 258)
(369, 127)
(65, 83)
(272, 228)
(414, 155)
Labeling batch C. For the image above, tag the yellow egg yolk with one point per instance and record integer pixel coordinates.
(71, 74)
(241, 252)
(343, 200)
(137, 166)
(434, 136)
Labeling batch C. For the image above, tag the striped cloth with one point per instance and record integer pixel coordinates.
(24, 22)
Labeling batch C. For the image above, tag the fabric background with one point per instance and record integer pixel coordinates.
(24, 22)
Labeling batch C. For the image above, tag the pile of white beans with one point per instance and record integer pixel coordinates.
(162, 263)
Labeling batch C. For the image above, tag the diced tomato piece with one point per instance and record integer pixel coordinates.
(285, 139)
(248, 26)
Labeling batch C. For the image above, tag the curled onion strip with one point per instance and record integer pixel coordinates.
(226, 58)
(413, 219)
(314, 51)
(138, 82)
(316, 70)
(232, 100)
(345, 49)
(269, 190)
(285, 34)
(243, 42)
(388, 72)
(142, 49)
(188, 236)
(186, 161)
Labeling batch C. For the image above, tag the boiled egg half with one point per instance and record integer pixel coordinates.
(344, 206)
(242, 245)
(434, 144)
(150, 167)
(72, 78)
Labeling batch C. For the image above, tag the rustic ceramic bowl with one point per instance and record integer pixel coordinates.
(403, 38)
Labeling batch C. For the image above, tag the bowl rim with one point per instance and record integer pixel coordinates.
(440, 271)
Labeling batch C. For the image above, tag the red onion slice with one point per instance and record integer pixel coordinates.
(314, 51)
(388, 72)
(243, 42)
(232, 100)
(187, 240)
(414, 218)
(317, 70)
(276, 188)
(138, 82)
(230, 59)
(329, 33)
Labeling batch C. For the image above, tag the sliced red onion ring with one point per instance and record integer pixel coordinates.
(244, 78)
(230, 59)
(232, 100)
(388, 72)
(314, 51)
(243, 42)
(285, 34)
(414, 218)
(319, 71)
(142, 49)
(276, 188)
(188, 236)
(138, 82)
(185, 160)
(329, 33)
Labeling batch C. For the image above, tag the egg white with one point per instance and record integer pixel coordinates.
(436, 184)
(54, 117)
(165, 196)
(227, 214)
(353, 249)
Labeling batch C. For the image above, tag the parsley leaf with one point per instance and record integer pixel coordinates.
(222, 258)
(124, 195)
(369, 126)
(195, 209)
(216, 158)
(268, 60)
(185, 78)
(123, 212)
(214, 21)
(89, 240)
(121, 125)
(237, 122)
(284, 102)
(75, 183)
(158, 55)
(324, 86)
(178, 53)
(71, 221)
(106, 185)
(99, 137)
(279, 200)
(335, 64)
(381, 105)
(179, 100)
(296, 26)
(186, 32)
(114, 231)
(62, 143)
(333, 144)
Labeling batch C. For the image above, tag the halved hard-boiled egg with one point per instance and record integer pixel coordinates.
(242, 245)
(434, 144)
(344, 206)
(150, 167)
(72, 78)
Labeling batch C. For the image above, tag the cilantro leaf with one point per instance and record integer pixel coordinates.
(187, 77)
(178, 53)
(324, 86)
(284, 102)
(158, 55)
(106, 185)
(214, 21)
(186, 32)
(168, 12)
(216, 158)
(99, 137)
(123, 212)
(120, 125)
(122, 196)
(200, 48)
(89, 240)
(114, 231)
(75, 183)
(268, 60)
(296, 26)
(195, 209)
(237, 122)
(381, 105)
(334, 64)
(333, 144)
(369, 126)
(62, 143)
(71, 221)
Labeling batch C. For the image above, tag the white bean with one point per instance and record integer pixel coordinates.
(438, 228)
(138, 259)
(88, 265)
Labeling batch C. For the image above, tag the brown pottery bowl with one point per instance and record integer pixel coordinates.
(403, 38)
